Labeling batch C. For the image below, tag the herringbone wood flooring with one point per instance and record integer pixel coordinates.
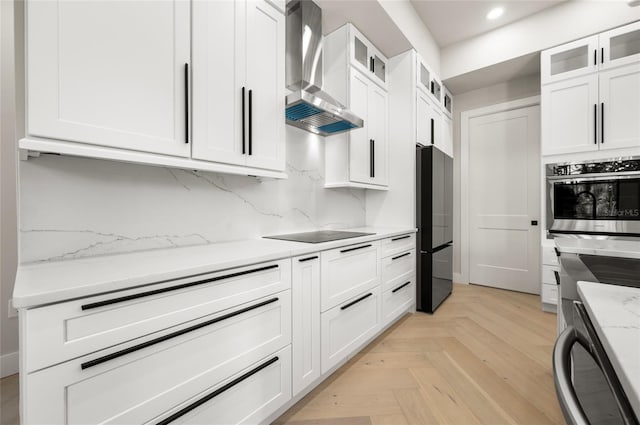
(483, 358)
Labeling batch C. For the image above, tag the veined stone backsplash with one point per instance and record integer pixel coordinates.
(77, 207)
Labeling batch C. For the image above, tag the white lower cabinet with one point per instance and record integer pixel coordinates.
(133, 383)
(347, 326)
(306, 321)
(550, 277)
(396, 301)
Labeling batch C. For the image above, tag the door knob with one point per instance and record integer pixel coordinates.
(534, 222)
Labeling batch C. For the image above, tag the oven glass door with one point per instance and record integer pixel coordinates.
(613, 199)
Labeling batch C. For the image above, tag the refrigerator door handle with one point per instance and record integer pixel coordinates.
(441, 247)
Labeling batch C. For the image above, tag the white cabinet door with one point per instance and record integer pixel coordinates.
(366, 57)
(423, 118)
(347, 326)
(436, 123)
(570, 60)
(359, 140)
(377, 124)
(218, 81)
(109, 73)
(306, 321)
(569, 116)
(620, 107)
(447, 136)
(265, 82)
(620, 46)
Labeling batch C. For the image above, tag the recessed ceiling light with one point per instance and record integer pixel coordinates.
(495, 13)
(633, 2)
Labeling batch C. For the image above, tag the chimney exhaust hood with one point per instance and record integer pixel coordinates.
(308, 107)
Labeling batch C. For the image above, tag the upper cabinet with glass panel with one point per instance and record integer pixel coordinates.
(620, 46)
(366, 57)
(569, 60)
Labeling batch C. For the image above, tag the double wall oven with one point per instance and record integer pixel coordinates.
(586, 201)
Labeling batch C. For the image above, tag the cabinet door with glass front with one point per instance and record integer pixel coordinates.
(570, 60)
(367, 59)
(620, 46)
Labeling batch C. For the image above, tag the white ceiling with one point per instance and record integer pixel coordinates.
(451, 21)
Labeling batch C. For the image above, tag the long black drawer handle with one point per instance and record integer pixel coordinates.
(433, 140)
(173, 288)
(250, 122)
(370, 157)
(186, 103)
(602, 123)
(354, 249)
(217, 392)
(595, 123)
(302, 260)
(364, 297)
(400, 256)
(130, 350)
(244, 150)
(400, 287)
(556, 250)
(557, 275)
(400, 237)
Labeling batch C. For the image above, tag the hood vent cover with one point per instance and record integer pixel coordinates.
(308, 107)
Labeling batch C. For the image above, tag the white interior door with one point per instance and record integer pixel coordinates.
(504, 152)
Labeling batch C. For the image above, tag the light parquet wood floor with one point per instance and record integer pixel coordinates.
(483, 358)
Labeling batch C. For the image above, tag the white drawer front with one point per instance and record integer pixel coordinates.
(397, 269)
(548, 274)
(397, 301)
(396, 244)
(549, 256)
(65, 331)
(346, 272)
(265, 388)
(138, 385)
(549, 293)
(345, 327)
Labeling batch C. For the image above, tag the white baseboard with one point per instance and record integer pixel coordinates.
(8, 364)
(457, 278)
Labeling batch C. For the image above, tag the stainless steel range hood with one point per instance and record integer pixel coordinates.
(308, 107)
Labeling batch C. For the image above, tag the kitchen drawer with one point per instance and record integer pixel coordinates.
(549, 293)
(64, 331)
(137, 382)
(345, 327)
(346, 272)
(254, 394)
(548, 274)
(396, 244)
(398, 300)
(397, 269)
(549, 255)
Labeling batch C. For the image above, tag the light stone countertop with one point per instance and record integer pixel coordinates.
(604, 247)
(615, 314)
(50, 282)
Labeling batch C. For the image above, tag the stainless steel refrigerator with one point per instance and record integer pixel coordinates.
(434, 219)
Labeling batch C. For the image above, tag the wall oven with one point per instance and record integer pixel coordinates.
(594, 198)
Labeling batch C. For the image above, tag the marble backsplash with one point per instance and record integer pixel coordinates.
(77, 207)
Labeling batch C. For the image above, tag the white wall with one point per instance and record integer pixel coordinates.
(405, 17)
(551, 27)
(499, 93)
(8, 216)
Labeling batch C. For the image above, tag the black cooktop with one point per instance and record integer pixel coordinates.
(318, 236)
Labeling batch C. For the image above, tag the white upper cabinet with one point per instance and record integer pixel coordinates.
(591, 93)
(238, 86)
(109, 73)
(432, 126)
(447, 102)
(569, 60)
(366, 57)
(428, 81)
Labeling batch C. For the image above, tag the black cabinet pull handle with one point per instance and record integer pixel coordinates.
(354, 302)
(400, 256)
(595, 123)
(602, 55)
(243, 124)
(250, 122)
(557, 275)
(602, 123)
(217, 392)
(373, 64)
(557, 252)
(432, 131)
(163, 338)
(595, 57)
(186, 103)
(302, 260)
(400, 287)
(372, 148)
(354, 249)
(173, 288)
(400, 237)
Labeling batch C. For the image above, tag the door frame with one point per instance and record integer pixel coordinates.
(465, 117)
